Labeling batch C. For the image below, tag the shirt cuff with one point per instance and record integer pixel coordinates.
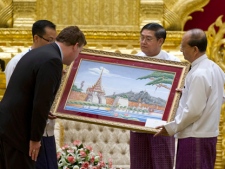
(169, 128)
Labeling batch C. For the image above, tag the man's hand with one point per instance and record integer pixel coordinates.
(34, 149)
(179, 90)
(51, 116)
(162, 131)
(64, 72)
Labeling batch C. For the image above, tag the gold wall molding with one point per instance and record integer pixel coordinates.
(15, 35)
(126, 42)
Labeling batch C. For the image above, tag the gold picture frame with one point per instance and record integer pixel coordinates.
(120, 90)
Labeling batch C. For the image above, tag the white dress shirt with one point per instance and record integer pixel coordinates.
(162, 55)
(12, 64)
(199, 108)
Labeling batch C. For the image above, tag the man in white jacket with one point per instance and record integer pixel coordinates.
(147, 152)
(196, 124)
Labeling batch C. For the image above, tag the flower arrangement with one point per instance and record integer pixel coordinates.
(79, 156)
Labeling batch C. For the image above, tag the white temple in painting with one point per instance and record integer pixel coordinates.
(120, 104)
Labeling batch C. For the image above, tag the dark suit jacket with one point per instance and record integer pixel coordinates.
(29, 95)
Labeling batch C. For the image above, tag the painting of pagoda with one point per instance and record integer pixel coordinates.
(118, 91)
(95, 93)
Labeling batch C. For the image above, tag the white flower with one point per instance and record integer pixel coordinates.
(76, 167)
(65, 167)
(97, 158)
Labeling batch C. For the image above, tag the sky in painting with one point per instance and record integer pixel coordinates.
(117, 78)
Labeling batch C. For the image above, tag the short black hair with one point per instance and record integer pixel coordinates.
(39, 26)
(198, 38)
(160, 32)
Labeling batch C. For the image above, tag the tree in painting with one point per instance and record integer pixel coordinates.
(160, 79)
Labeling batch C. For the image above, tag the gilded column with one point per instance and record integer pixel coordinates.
(151, 11)
(24, 13)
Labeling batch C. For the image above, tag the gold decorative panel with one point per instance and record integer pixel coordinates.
(216, 52)
(24, 13)
(151, 11)
(6, 13)
(177, 12)
(91, 14)
(216, 42)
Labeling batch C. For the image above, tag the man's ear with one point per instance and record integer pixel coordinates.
(35, 38)
(161, 41)
(75, 46)
(196, 49)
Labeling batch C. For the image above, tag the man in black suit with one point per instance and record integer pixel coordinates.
(29, 95)
(43, 33)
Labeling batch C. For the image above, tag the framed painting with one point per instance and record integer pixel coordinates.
(120, 90)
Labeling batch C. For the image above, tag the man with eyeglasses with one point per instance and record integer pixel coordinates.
(43, 32)
(147, 151)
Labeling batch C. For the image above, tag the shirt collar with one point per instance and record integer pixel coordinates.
(158, 56)
(60, 50)
(199, 60)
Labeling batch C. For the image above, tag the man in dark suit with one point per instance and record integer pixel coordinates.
(43, 33)
(28, 98)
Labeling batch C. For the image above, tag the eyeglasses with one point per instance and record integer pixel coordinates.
(147, 39)
(52, 40)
